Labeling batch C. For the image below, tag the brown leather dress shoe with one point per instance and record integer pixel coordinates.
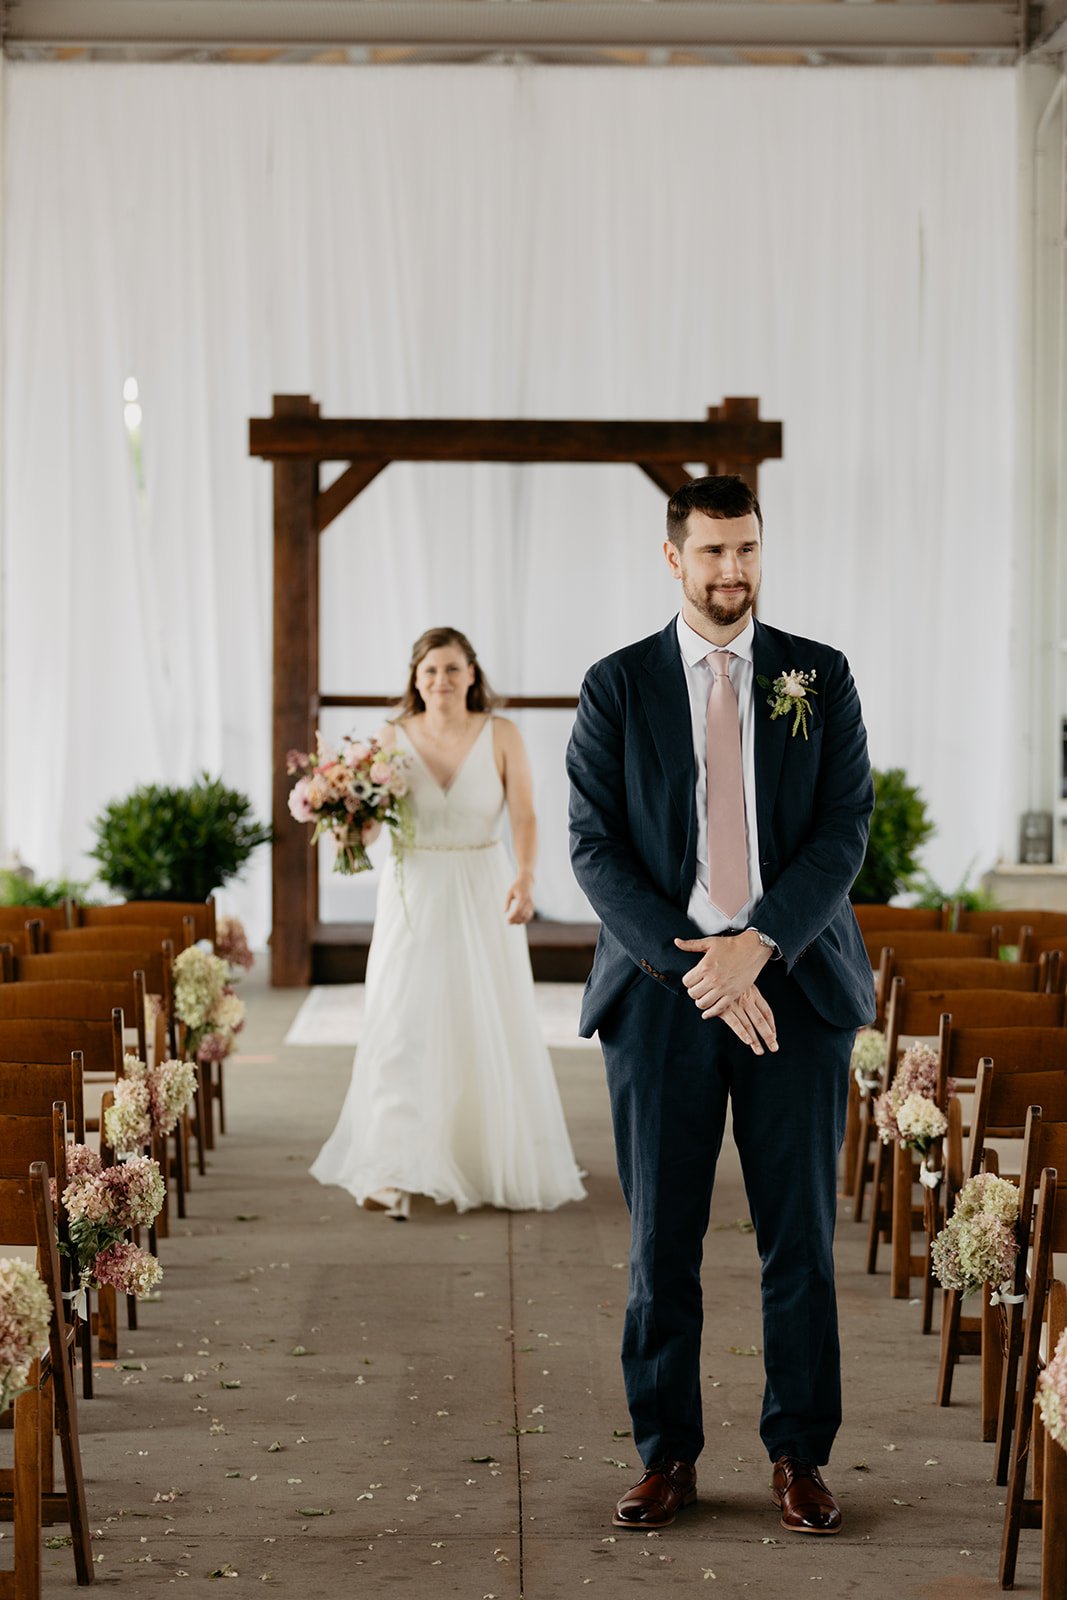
(656, 1500)
(806, 1504)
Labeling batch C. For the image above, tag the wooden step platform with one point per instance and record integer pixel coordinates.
(560, 952)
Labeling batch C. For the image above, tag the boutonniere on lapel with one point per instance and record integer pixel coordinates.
(789, 697)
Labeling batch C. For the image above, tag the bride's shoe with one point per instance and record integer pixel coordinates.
(396, 1203)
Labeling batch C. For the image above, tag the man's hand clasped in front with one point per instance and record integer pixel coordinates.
(723, 984)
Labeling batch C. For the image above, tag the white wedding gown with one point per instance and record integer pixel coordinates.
(452, 1092)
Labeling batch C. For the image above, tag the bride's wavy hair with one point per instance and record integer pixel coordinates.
(480, 696)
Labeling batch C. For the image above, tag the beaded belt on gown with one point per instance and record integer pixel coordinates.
(488, 845)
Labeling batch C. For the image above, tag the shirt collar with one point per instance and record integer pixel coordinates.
(695, 647)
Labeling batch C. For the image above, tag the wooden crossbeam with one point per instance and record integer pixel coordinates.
(309, 438)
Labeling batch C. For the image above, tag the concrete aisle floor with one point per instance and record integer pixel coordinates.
(325, 1402)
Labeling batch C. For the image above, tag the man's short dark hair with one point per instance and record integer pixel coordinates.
(722, 495)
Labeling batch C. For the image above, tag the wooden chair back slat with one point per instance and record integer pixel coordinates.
(68, 999)
(101, 966)
(15, 918)
(24, 1140)
(1011, 922)
(122, 936)
(921, 945)
(30, 1039)
(1014, 1049)
(168, 912)
(969, 972)
(920, 919)
(31, 1088)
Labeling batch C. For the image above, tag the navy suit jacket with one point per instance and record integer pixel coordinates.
(633, 822)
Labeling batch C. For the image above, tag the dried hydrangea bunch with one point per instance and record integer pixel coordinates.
(978, 1244)
(916, 1079)
(102, 1204)
(25, 1313)
(1052, 1393)
(205, 1002)
(868, 1059)
(148, 1100)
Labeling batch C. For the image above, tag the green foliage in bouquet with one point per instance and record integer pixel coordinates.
(900, 827)
(16, 891)
(162, 843)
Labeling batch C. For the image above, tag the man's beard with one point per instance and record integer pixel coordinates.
(721, 612)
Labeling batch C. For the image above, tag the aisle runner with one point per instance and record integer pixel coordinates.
(333, 1014)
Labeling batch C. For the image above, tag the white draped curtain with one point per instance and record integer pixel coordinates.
(494, 241)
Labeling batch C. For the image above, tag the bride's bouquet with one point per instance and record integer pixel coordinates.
(352, 793)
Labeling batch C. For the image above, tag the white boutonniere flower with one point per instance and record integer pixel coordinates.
(789, 696)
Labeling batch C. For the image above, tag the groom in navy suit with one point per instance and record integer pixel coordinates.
(717, 841)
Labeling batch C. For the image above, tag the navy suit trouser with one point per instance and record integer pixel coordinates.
(670, 1075)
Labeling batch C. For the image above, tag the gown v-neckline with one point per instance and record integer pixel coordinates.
(438, 785)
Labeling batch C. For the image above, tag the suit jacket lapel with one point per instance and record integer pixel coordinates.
(770, 736)
(666, 700)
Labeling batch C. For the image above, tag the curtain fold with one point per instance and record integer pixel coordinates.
(494, 241)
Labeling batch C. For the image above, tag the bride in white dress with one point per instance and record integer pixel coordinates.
(452, 1092)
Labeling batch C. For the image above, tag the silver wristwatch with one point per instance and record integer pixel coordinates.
(766, 940)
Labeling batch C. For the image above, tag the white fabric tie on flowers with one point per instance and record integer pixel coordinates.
(930, 1177)
(80, 1301)
(1001, 1297)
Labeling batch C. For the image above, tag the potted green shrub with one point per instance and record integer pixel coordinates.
(900, 826)
(163, 843)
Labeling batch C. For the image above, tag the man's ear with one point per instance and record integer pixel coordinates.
(670, 551)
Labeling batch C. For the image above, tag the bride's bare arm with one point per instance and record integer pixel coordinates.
(518, 791)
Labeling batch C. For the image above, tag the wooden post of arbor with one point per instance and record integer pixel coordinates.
(294, 868)
(295, 439)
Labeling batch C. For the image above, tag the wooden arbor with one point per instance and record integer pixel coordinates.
(295, 439)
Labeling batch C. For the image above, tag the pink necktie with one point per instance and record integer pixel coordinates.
(727, 844)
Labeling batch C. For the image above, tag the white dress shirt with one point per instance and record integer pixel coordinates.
(708, 918)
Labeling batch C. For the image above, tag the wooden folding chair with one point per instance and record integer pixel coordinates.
(1050, 1486)
(1045, 1152)
(918, 1014)
(1044, 1145)
(28, 1493)
(1021, 1067)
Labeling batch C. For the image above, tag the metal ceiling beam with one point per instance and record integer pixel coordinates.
(860, 28)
